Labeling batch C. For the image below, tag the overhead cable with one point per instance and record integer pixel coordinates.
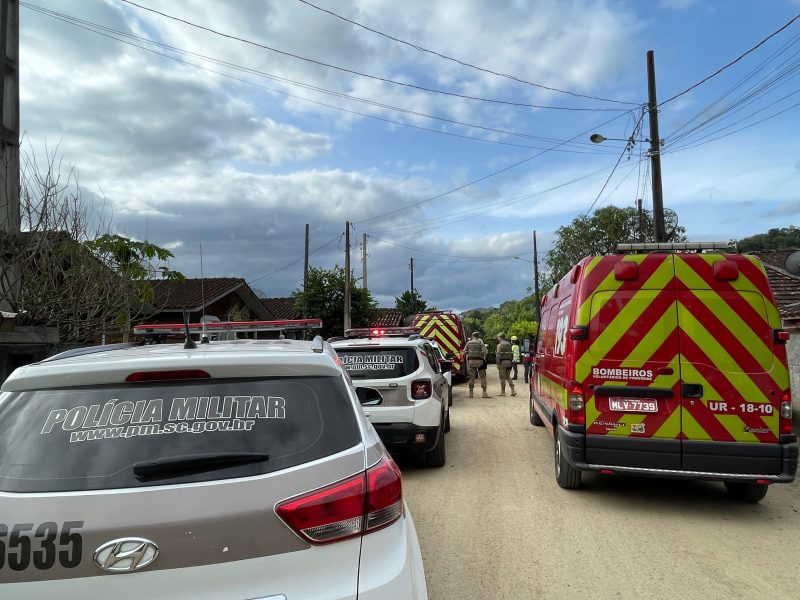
(90, 26)
(461, 62)
(483, 178)
(374, 77)
(731, 63)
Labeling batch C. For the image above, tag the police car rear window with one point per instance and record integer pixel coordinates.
(378, 363)
(89, 438)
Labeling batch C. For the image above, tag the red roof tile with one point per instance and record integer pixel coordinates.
(388, 317)
(192, 294)
(787, 291)
(280, 308)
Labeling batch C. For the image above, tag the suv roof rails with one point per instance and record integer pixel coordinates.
(89, 350)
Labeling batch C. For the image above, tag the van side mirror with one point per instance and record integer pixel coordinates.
(369, 396)
(445, 365)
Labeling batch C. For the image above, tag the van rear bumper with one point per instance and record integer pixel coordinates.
(715, 461)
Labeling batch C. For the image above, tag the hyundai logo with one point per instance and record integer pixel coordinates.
(125, 555)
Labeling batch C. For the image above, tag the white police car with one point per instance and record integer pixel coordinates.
(239, 470)
(414, 414)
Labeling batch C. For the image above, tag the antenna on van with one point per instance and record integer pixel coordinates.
(189, 343)
(203, 334)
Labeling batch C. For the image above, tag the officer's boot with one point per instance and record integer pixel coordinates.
(485, 395)
(513, 391)
(470, 392)
(503, 389)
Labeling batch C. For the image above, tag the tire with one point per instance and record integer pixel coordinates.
(536, 420)
(747, 492)
(567, 476)
(438, 456)
(450, 396)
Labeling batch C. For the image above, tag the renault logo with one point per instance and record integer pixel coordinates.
(125, 555)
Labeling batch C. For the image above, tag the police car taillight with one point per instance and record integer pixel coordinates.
(785, 420)
(576, 414)
(360, 504)
(421, 389)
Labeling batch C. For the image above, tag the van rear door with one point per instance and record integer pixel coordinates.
(629, 365)
(732, 380)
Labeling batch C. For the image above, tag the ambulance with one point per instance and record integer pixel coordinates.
(447, 330)
(666, 360)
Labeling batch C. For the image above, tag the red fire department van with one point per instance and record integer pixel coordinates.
(666, 363)
(447, 329)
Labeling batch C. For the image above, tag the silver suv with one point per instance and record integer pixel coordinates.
(237, 470)
(414, 414)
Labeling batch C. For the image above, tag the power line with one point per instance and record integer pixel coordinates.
(419, 250)
(375, 77)
(483, 178)
(289, 264)
(89, 26)
(460, 62)
(731, 63)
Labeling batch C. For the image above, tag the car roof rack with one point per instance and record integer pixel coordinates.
(675, 246)
(89, 350)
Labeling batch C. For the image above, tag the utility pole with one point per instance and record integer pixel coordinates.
(536, 281)
(411, 268)
(364, 262)
(305, 266)
(640, 217)
(347, 275)
(655, 149)
(9, 151)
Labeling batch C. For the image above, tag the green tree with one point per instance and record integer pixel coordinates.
(411, 302)
(323, 299)
(600, 233)
(778, 238)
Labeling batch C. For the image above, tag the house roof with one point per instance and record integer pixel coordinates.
(192, 294)
(786, 288)
(280, 308)
(776, 258)
(388, 317)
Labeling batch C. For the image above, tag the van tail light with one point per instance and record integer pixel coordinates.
(576, 415)
(785, 418)
(780, 336)
(421, 389)
(358, 505)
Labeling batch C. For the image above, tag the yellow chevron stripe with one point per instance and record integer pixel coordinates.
(692, 429)
(610, 283)
(718, 355)
(671, 427)
(732, 321)
(554, 390)
(591, 265)
(442, 336)
(611, 335)
(742, 284)
(732, 423)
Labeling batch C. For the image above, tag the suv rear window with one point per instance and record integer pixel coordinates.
(378, 363)
(88, 438)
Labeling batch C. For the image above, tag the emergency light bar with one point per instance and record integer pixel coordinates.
(371, 332)
(228, 326)
(674, 246)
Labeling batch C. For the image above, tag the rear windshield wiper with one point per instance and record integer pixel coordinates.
(189, 462)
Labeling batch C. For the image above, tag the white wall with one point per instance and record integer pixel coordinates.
(793, 351)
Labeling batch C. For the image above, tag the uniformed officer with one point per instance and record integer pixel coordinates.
(476, 352)
(516, 358)
(504, 356)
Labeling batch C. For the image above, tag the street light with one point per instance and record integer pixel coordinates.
(522, 259)
(597, 138)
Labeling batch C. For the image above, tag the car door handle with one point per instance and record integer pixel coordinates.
(692, 390)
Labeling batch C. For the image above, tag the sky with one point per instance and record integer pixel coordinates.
(444, 131)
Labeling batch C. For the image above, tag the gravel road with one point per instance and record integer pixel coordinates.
(493, 524)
